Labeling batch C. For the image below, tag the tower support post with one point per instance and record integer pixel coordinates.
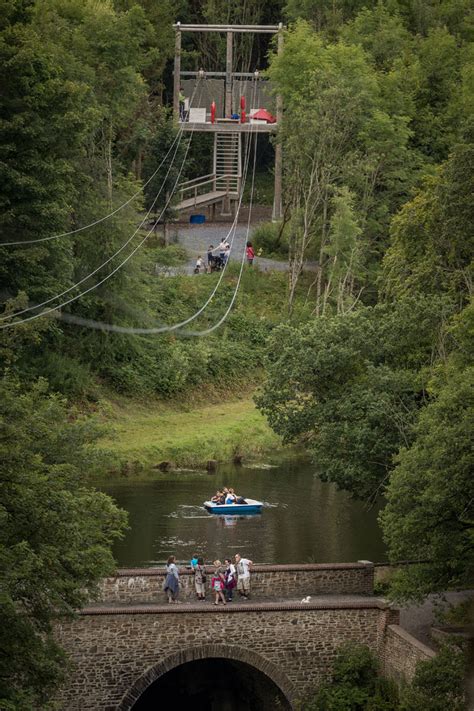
(277, 213)
(177, 71)
(228, 77)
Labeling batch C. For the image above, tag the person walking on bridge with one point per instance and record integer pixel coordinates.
(243, 571)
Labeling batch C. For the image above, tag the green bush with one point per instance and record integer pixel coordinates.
(438, 684)
(355, 684)
(271, 240)
(65, 374)
(172, 256)
(263, 189)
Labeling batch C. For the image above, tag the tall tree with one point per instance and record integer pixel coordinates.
(350, 387)
(430, 510)
(335, 133)
(433, 234)
(55, 536)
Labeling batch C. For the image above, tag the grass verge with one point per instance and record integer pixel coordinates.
(187, 434)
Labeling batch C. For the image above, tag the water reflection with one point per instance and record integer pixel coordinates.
(303, 519)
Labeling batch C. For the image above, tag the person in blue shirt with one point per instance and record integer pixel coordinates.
(194, 561)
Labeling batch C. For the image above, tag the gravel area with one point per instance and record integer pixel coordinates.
(197, 238)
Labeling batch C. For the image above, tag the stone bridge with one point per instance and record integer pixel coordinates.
(130, 650)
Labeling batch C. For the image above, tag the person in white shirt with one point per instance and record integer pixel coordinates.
(243, 571)
(221, 248)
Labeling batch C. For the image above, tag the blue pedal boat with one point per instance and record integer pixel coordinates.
(251, 507)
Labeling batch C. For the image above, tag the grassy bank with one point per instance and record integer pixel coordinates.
(188, 434)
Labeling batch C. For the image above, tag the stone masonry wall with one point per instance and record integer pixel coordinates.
(402, 652)
(111, 649)
(135, 586)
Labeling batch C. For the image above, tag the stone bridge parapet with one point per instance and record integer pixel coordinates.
(144, 585)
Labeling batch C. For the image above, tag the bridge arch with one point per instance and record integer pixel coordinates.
(206, 652)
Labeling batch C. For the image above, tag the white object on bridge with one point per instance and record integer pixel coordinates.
(306, 599)
(197, 116)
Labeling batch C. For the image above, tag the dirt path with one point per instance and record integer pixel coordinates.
(197, 238)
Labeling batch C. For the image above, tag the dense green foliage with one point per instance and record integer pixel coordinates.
(373, 100)
(351, 386)
(438, 684)
(429, 510)
(355, 684)
(55, 535)
(270, 239)
(378, 139)
(373, 371)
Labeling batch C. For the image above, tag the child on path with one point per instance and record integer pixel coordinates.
(250, 253)
(218, 582)
(199, 265)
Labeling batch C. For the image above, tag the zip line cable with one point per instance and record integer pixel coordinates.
(110, 214)
(66, 291)
(4, 317)
(122, 329)
(209, 330)
(102, 326)
(99, 283)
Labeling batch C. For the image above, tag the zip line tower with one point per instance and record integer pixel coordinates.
(227, 104)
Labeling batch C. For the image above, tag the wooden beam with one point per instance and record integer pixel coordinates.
(269, 29)
(277, 200)
(228, 77)
(230, 127)
(177, 71)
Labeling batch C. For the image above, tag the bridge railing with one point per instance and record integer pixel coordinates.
(213, 183)
(144, 585)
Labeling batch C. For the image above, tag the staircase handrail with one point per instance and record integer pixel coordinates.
(186, 183)
(214, 177)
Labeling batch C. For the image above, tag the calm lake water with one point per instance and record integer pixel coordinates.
(304, 520)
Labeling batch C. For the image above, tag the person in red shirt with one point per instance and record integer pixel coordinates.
(250, 253)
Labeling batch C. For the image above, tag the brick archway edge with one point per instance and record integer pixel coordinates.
(208, 651)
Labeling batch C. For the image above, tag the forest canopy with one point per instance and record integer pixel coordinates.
(365, 358)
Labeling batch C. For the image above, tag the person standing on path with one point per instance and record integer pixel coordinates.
(243, 571)
(210, 258)
(221, 248)
(171, 584)
(218, 582)
(200, 579)
(250, 253)
(230, 576)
